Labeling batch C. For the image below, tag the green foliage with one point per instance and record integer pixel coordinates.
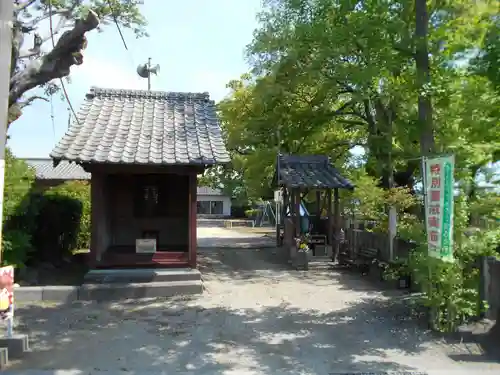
(63, 221)
(451, 289)
(76, 195)
(18, 211)
(16, 248)
(42, 225)
(252, 213)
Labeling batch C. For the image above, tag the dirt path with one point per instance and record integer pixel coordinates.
(225, 238)
(255, 317)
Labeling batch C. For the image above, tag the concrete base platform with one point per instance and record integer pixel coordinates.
(140, 275)
(16, 345)
(119, 291)
(116, 284)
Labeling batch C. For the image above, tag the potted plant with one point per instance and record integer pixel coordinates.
(399, 271)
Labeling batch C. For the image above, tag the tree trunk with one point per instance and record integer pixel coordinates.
(55, 64)
(427, 144)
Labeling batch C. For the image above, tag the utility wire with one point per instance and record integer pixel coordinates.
(51, 28)
(52, 118)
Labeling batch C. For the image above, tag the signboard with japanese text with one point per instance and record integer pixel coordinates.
(6, 292)
(439, 188)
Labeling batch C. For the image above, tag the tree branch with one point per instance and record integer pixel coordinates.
(19, 8)
(30, 100)
(57, 63)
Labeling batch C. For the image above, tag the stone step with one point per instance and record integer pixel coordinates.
(12, 347)
(4, 358)
(139, 275)
(121, 291)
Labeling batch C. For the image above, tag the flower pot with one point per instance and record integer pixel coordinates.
(302, 259)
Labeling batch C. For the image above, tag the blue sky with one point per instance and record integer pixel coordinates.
(199, 45)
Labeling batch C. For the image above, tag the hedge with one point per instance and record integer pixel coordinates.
(42, 226)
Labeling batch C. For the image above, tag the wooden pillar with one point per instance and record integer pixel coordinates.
(99, 221)
(329, 216)
(94, 212)
(279, 218)
(286, 204)
(192, 247)
(336, 210)
(296, 204)
(318, 210)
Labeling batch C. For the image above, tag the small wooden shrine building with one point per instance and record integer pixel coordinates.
(144, 150)
(298, 175)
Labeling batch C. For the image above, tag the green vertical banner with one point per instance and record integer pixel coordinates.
(439, 192)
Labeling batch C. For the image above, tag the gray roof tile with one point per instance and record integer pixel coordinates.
(144, 127)
(45, 170)
(310, 171)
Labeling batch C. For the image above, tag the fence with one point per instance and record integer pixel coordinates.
(357, 239)
(489, 288)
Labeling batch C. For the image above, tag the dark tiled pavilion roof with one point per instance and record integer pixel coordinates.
(144, 127)
(45, 170)
(310, 171)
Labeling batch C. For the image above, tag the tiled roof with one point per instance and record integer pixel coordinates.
(144, 127)
(310, 171)
(205, 190)
(45, 170)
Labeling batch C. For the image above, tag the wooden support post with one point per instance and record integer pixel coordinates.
(336, 210)
(296, 205)
(286, 204)
(318, 207)
(329, 216)
(192, 242)
(280, 219)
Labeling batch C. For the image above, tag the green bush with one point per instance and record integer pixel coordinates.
(19, 212)
(79, 193)
(252, 213)
(16, 246)
(45, 225)
(63, 221)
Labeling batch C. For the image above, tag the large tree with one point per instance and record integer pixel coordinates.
(329, 75)
(48, 37)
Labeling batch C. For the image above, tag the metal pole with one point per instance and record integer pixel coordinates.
(6, 18)
(149, 74)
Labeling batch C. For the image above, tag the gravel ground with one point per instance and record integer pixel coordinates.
(255, 317)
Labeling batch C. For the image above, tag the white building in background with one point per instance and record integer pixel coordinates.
(212, 202)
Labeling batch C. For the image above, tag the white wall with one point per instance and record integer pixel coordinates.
(226, 202)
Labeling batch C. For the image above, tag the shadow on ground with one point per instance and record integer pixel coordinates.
(232, 330)
(479, 341)
(172, 337)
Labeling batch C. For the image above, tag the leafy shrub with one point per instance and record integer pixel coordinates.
(42, 225)
(451, 290)
(18, 211)
(252, 213)
(63, 221)
(16, 246)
